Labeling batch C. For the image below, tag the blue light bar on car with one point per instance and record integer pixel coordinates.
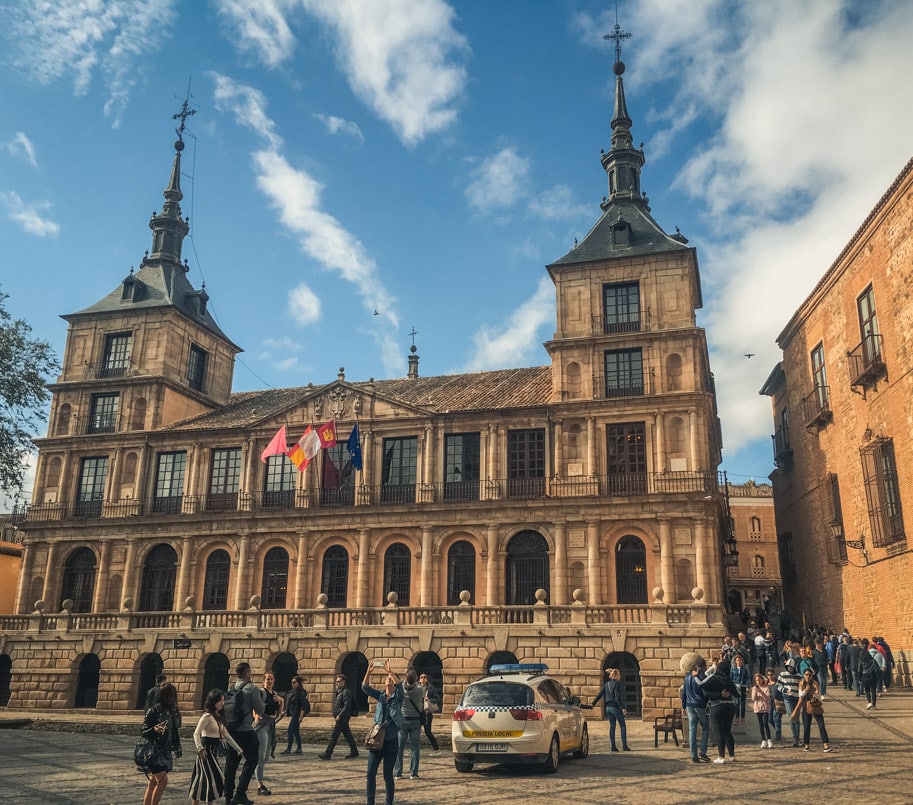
(519, 668)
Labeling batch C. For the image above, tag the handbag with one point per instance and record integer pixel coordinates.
(779, 705)
(375, 739)
(143, 753)
(431, 706)
(814, 707)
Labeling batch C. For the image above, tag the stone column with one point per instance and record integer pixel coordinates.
(594, 571)
(426, 567)
(127, 590)
(666, 561)
(361, 593)
(491, 571)
(99, 596)
(557, 450)
(23, 606)
(49, 594)
(112, 483)
(559, 594)
(64, 494)
(242, 595)
(590, 446)
(660, 442)
(251, 458)
(299, 601)
(184, 575)
(694, 449)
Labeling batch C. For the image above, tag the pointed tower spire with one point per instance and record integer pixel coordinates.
(168, 227)
(623, 161)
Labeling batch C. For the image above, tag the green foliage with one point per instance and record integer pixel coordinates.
(26, 364)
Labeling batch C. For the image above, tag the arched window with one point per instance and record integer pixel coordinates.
(397, 573)
(157, 587)
(275, 579)
(527, 568)
(215, 585)
(335, 581)
(79, 579)
(461, 572)
(631, 571)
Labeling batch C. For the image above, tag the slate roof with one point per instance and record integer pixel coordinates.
(475, 391)
(647, 237)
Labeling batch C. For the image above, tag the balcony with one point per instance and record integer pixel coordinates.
(783, 451)
(632, 385)
(867, 365)
(817, 407)
(615, 325)
(618, 485)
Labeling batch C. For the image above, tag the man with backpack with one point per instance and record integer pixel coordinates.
(871, 670)
(242, 702)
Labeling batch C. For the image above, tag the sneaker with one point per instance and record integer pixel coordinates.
(286, 752)
(732, 758)
(827, 747)
(242, 799)
(704, 759)
(397, 777)
(413, 777)
(695, 760)
(869, 706)
(263, 791)
(298, 751)
(806, 748)
(323, 756)
(795, 744)
(719, 760)
(763, 744)
(434, 753)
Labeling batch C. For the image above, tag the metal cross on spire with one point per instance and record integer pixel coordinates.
(617, 36)
(413, 334)
(185, 112)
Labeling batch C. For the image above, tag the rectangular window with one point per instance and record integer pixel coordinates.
(103, 417)
(225, 479)
(819, 377)
(196, 367)
(462, 466)
(279, 489)
(626, 458)
(836, 541)
(624, 373)
(621, 307)
(337, 480)
(526, 463)
(868, 326)
(116, 358)
(399, 471)
(93, 473)
(879, 473)
(169, 482)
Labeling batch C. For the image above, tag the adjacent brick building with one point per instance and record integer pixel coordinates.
(843, 408)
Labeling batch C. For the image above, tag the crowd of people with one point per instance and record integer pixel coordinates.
(746, 670)
(240, 724)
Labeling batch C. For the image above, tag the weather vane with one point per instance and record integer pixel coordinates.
(185, 112)
(617, 36)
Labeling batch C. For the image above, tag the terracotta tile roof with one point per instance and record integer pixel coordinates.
(475, 391)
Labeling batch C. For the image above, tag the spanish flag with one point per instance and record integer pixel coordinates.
(305, 449)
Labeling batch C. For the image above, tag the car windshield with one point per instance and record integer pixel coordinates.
(497, 694)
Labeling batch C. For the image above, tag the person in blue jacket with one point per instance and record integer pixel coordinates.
(694, 703)
(389, 713)
(741, 678)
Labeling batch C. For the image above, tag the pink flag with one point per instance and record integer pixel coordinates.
(277, 447)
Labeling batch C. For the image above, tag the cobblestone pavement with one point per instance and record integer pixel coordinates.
(872, 760)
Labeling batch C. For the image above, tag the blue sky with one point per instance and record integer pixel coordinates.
(426, 160)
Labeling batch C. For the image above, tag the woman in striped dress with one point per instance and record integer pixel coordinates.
(207, 783)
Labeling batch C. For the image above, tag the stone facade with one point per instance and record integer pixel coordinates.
(843, 405)
(568, 513)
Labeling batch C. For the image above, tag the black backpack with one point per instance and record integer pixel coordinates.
(305, 703)
(234, 710)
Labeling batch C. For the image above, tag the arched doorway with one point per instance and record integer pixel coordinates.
(87, 682)
(79, 579)
(6, 679)
(461, 572)
(631, 571)
(630, 679)
(159, 572)
(215, 585)
(427, 662)
(285, 666)
(215, 675)
(527, 568)
(149, 669)
(335, 581)
(353, 668)
(500, 658)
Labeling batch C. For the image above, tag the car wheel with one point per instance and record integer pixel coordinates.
(462, 766)
(584, 749)
(554, 753)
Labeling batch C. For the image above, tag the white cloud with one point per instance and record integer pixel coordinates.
(336, 125)
(248, 107)
(282, 353)
(557, 203)
(516, 340)
(304, 305)
(30, 216)
(75, 38)
(20, 144)
(498, 182)
(260, 28)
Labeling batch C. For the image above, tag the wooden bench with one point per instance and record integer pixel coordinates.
(668, 725)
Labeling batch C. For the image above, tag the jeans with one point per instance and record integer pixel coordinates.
(870, 687)
(263, 753)
(740, 704)
(341, 727)
(698, 715)
(775, 717)
(615, 716)
(248, 742)
(791, 703)
(426, 724)
(807, 724)
(294, 733)
(387, 756)
(411, 733)
(763, 725)
(822, 681)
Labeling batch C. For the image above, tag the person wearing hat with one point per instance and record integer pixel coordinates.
(788, 684)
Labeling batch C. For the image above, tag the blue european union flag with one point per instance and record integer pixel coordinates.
(354, 448)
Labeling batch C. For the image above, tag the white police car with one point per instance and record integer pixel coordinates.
(518, 714)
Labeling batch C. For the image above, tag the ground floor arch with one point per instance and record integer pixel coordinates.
(630, 679)
(87, 681)
(150, 667)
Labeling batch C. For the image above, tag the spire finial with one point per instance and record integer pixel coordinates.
(185, 112)
(617, 36)
(413, 334)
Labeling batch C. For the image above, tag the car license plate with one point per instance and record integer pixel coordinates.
(491, 747)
